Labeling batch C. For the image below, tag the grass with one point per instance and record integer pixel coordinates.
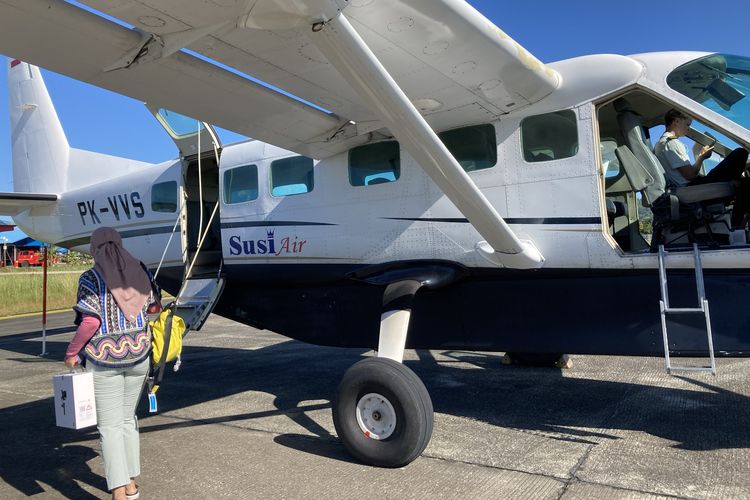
(38, 269)
(21, 289)
(21, 292)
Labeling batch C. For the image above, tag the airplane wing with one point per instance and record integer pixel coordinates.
(15, 203)
(405, 68)
(454, 64)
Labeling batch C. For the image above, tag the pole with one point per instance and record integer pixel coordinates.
(44, 302)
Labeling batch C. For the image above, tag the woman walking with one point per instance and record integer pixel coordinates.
(114, 339)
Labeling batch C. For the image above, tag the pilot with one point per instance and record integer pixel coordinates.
(680, 172)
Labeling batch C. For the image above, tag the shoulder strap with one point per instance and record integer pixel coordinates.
(165, 348)
(154, 287)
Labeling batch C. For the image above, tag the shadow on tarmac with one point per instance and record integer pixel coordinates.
(522, 398)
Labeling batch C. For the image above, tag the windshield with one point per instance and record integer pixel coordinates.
(720, 82)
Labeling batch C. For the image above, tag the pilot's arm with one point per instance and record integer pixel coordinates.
(677, 154)
(690, 172)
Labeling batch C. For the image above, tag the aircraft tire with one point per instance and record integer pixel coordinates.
(383, 413)
(24, 263)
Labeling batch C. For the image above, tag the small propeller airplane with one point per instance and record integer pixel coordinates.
(432, 186)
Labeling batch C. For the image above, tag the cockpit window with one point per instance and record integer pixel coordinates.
(610, 162)
(720, 82)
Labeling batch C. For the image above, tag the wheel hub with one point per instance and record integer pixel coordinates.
(376, 416)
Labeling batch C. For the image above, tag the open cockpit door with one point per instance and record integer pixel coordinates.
(200, 151)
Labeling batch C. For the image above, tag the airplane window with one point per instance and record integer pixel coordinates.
(609, 160)
(377, 163)
(475, 148)
(241, 184)
(552, 136)
(179, 125)
(293, 175)
(164, 197)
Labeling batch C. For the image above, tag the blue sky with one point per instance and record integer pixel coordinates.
(101, 121)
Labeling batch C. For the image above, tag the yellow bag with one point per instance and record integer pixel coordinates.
(168, 328)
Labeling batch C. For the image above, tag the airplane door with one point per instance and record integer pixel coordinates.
(200, 150)
(184, 132)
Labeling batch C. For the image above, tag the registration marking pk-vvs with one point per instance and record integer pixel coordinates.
(114, 208)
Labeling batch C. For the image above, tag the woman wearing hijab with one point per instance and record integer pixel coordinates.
(113, 337)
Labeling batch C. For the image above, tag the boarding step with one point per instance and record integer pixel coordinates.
(684, 310)
(204, 272)
(197, 299)
(701, 309)
(205, 258)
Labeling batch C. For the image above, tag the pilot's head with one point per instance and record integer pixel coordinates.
(678, 122)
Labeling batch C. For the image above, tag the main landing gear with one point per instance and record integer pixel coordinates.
(383, 413)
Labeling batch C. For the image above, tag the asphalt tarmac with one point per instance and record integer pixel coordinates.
(249, 416)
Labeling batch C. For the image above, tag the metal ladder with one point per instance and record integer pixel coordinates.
(702, 309)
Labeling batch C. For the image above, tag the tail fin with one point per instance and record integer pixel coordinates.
(40, 148)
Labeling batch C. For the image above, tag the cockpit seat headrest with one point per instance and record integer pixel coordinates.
(621, 104)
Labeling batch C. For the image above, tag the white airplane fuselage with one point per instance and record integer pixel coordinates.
(289, 259)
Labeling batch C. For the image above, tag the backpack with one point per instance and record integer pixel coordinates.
(166, 345)
(166, 341)
(166, 337)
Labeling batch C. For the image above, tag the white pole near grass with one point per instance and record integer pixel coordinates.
(4, 259)
(44, 302)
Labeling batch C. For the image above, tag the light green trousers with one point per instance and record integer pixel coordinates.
(117, 391)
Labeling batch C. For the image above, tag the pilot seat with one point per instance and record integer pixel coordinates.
(683, 215)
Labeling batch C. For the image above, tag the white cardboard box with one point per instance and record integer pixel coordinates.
(75, 406)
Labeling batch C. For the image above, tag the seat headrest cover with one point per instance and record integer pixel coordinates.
(621, 104)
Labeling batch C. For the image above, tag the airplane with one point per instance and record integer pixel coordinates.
(422, 182)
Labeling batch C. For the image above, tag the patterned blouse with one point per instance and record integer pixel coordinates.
(119, 343)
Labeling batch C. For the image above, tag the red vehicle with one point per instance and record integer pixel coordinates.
(28, 258)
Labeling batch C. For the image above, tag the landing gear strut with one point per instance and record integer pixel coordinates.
(383, 413)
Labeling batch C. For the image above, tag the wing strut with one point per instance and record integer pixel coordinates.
(347, 52)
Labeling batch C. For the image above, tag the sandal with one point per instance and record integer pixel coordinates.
(135, 495)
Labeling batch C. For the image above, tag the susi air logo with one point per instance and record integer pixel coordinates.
(268, 246)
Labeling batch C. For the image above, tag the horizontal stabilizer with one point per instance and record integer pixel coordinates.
(15, 203)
